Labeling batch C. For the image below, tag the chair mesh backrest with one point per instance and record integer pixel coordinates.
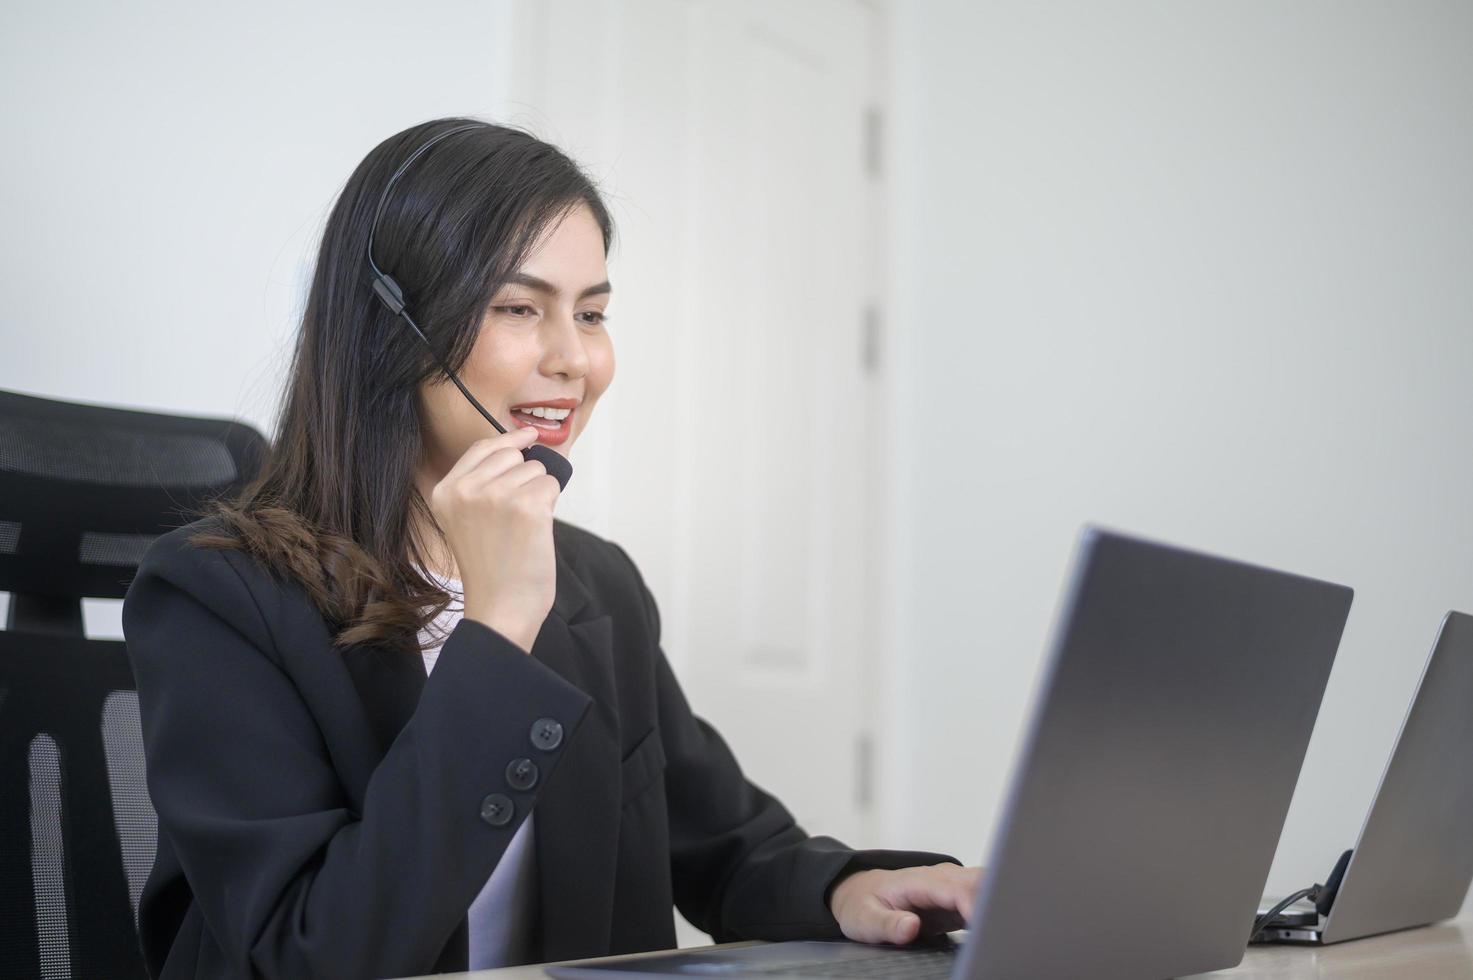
(48, 856)
(133, 816)
(83, 491)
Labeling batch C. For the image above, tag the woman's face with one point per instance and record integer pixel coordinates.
(542, 345)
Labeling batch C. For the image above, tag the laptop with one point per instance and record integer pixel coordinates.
(1414, 861)
(1150, 791)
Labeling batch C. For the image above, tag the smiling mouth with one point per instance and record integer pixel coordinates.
(540, 421)
(553, 425)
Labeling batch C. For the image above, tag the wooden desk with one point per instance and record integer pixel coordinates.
(1443, 952)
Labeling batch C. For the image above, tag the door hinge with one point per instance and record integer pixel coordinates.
(874, 146)
(869, 339)
(864, 770)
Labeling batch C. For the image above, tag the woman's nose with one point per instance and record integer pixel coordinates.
(565, 353)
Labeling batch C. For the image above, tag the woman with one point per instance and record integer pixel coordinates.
(358, 768)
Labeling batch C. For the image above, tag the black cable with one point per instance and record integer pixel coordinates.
(1259, 924)
(1323, 896)
(445, 366)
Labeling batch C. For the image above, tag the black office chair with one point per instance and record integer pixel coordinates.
(83, 490)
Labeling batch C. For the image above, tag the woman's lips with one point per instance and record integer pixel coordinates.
(549, 433)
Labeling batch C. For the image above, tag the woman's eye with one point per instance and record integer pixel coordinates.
(593, 317)
(516, 310)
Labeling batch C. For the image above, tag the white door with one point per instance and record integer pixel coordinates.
(730, 138)
(777, 549)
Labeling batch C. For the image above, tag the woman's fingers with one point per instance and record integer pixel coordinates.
(517, 472)
(939, 887)
(899, 927)
(496, 465)
(483, 449)
(526, 479)
(874, 921)
(898, 906)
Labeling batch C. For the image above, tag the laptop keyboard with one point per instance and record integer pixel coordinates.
(920, 965)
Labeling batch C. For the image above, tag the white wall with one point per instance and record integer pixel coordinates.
(169, 166)
(1196, 270)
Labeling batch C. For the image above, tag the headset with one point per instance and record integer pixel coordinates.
(392, 296)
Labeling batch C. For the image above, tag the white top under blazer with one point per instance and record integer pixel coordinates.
(500, 917)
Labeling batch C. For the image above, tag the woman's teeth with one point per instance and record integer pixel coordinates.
(554, 416)
(547, 413)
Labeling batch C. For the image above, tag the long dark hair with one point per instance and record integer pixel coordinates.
(334, 506)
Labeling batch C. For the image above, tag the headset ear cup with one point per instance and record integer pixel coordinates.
(388, 292)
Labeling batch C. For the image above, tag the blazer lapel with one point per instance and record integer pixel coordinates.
(577, 815)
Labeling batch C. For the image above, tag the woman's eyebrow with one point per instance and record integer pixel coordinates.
(543, 286)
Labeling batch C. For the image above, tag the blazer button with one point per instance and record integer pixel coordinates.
(521, 774)
(496, 810)
(547, 734)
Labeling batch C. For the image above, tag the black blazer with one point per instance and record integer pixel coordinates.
(333, 814)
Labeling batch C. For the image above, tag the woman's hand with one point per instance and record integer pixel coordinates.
(879, 906)
(495, 508)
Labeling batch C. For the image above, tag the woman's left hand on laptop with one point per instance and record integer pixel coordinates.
(879, 906)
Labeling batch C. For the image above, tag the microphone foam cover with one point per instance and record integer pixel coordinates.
(557, 464)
